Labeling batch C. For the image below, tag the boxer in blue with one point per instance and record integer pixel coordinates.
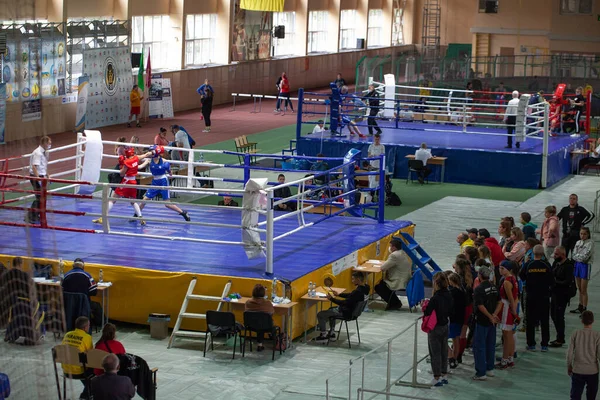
(160, 169)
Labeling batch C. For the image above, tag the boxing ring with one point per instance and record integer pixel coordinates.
(151, 265)
(469, 131)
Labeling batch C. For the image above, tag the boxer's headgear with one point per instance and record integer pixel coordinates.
(129, 152)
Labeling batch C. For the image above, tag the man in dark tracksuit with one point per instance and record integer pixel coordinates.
(562, 270)
(538, 275)
(372, 98)
(573, 218)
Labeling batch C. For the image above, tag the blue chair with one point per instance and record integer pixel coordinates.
(4, 386)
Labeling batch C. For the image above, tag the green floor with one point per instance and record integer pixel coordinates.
(413, 195)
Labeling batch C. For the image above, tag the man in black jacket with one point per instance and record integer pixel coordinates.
(573, 218)
(345, 306)
(111, 386)
(283, 193)
(372, 99)
(538, 275)
(562, 270)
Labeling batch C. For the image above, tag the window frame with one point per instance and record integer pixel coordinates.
(347, 30)
(378, 28)
(205, 40)
(317, 34)
(482, 7)
(159, 48)
(578, 4)
(285, 47)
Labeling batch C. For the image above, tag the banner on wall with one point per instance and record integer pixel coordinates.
(31, 110)
(252, 34)
(82, 97)
(160, 101)
(110, 82)
(263, 5)
(2, 111)
(34, 68)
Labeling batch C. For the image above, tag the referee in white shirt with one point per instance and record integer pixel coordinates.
(38, 167)
(510, 118)
(423, 154)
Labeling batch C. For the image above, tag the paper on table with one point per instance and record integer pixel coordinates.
(319, 294)
(375, 261)
(105, 284)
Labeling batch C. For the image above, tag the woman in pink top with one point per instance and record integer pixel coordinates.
(549, 232)
(161, 138)
(517, 249)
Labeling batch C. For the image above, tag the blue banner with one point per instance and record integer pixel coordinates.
(2, 110)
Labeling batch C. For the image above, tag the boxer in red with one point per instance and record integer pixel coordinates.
(129, 170)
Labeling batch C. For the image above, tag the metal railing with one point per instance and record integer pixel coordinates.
(390, 381)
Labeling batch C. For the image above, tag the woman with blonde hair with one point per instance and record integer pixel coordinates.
(583, 255)
(517, 247)
(550, 232)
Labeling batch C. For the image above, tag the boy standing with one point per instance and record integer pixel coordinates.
(582, 359)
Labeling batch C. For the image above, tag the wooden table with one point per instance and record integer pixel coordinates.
(435, 160)
(310, 301)
(103, 288)
(284, 310)
(575, 154)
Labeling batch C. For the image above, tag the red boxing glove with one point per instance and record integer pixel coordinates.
(121, 161)
(159, 150)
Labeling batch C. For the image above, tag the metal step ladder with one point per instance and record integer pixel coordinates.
(184, 314)
(418, 256)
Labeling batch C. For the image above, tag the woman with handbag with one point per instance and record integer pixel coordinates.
(439, 308)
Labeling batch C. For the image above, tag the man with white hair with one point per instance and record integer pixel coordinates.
(510, 118)
(111, 386)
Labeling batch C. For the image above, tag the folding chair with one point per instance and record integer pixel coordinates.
(221, 322)
(354, 317)
(256, 321)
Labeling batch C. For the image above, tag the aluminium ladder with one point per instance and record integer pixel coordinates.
(177, 332)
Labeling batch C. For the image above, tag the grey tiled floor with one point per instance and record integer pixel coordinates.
(301, 372)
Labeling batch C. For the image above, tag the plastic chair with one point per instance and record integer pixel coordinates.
(65, 354)
(354, 317)
(220, 322)
(256, 321)
(414, 166)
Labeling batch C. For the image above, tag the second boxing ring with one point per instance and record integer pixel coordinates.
(151, 265)
(470, 133)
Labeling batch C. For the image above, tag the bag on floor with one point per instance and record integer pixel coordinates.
(392, 199)
(281, 342)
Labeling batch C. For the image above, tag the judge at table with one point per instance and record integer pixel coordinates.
(396, 274)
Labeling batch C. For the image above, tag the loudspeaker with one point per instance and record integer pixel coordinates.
(136, 58)
(360, 43)
(279, 32)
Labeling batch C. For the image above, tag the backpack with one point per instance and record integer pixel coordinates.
(392, 199)
(281, 342)
(190, 138)
(572, 288)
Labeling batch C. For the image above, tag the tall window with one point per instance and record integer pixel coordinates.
(285, 47)
(152, 31)
(200, 33)
(375, 26)
(576, 7)
(347, 31)
(317, 31)
(398, 27)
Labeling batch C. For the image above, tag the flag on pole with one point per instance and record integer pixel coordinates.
(148, 72)
(141, 73)
(262, 5)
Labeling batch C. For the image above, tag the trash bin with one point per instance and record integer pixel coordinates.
(159, 325)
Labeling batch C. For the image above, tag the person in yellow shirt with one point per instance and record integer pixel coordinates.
(464, 240)
(82, 341)
(135, 98)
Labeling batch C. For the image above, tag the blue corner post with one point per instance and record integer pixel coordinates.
(334, 108)
(299, 114)
(381, 196)
(247, 163)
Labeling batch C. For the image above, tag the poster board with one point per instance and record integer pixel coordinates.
(160, 100)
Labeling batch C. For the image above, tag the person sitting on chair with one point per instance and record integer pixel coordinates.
(228, 202)
(319, 128)
(593, 159)
(423, 154)
(79, 281)
(344, 308)
(258, 303)
(396, 274)
(82, 341)
(110, 386)
(283, 193)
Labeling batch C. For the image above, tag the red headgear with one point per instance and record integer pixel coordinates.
(129, 152)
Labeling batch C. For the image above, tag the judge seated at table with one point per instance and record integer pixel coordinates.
(228, 202)
(593, 159)
(258, 303)
(396, 274)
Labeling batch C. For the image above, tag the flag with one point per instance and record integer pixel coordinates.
(141, 73)
(262, 5)
(148, 72)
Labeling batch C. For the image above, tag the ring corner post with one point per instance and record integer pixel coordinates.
(299, 113)
(546, 133)
(381, 197)
(42, 204)
(247, 163)
(105, 224)
(78, 160)
(269, 235)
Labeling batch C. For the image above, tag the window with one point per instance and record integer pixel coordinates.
(398, 27)
(200, 33)
(576, 7)
(347, 32)
(285, 47)
(375, 23)
(152, 31)
(317, 31)
(488, 6)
